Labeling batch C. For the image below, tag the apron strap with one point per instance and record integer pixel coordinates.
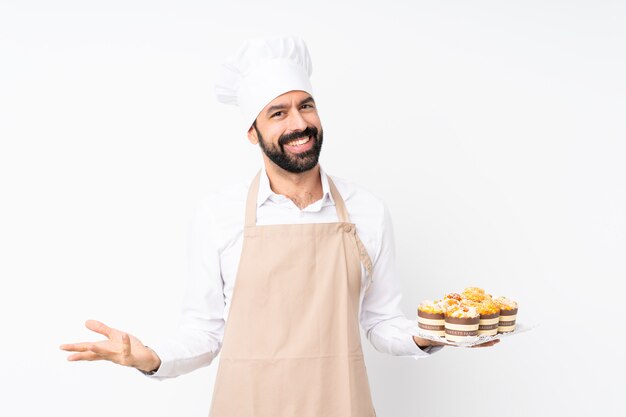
(253, 192)
(340, 206)
(342, 213)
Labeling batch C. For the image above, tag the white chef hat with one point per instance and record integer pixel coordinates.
(263, 69)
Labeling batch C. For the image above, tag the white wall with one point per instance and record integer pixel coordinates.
(493, 129)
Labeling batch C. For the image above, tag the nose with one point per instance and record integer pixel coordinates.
(296, 121)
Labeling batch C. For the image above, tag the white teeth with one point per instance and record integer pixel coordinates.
(299, 142)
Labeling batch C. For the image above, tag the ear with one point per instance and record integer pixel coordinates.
(252, 136)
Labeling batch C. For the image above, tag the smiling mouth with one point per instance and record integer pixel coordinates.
(298, 142)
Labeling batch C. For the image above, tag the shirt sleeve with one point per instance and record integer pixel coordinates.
(201, 325)
(386, 327)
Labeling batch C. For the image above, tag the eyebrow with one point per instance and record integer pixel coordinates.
(275, 107)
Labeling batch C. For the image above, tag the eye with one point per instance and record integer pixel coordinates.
(304, 106)
(278, 113)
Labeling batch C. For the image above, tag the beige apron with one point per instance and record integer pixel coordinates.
(291, 343)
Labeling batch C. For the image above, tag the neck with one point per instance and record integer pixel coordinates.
(303, 188)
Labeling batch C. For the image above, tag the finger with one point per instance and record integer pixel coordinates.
(487, 344)
(100, 350)
(77, 347)
(482, 345)
(98, 327)
(84, 356)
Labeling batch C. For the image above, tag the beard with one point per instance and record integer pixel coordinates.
(294, 163)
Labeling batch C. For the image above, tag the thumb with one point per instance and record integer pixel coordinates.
(125, 344)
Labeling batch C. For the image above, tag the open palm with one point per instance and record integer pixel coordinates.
(119, 347)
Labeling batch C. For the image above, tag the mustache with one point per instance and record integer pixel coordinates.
(309, 131)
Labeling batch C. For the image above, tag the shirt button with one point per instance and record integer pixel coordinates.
(347, 228)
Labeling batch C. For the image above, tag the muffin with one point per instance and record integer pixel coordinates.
(461, 321)
(508, 314)
(449, 303)
(453, 296)
(489, 317)
(474, 294)
(430, 318)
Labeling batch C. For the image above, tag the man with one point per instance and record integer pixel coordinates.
(283, 271)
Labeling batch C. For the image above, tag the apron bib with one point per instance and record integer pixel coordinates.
(292, 346)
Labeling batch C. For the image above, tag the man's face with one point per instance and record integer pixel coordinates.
(289, 132)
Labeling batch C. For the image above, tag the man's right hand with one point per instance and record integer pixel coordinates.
(120, 348)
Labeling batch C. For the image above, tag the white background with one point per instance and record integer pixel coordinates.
(494, 130)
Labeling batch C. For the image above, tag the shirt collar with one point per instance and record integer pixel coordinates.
(265, 191)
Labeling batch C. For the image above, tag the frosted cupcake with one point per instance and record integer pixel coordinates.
(460, 322)
(430, 318)
(508, 314)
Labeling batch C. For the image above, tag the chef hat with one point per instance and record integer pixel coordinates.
(263, 69)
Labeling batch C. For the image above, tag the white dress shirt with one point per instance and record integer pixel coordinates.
(215, 244)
